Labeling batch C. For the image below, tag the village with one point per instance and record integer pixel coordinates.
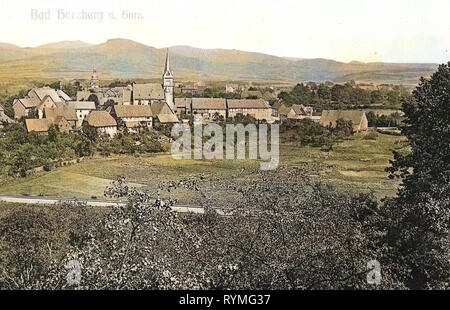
(142, 106)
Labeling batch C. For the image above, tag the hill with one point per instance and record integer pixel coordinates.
(120, 58)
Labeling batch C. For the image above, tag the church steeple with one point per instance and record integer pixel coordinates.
(94, 79)
(168, 83)
(167, 71)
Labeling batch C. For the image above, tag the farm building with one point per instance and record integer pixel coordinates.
(258, 108)
(39, 99)
(38, 125)
(358, 118)
(4, 118)
(62, 111)
(102, 121)
(209, 108)
(82, 109)
(133, 117)
(183, 106)
(163, 114)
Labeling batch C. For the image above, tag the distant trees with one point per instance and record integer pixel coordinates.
(21, 151)
(344, 96)
(307, 132)
(392, 120)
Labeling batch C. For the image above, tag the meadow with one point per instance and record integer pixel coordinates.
(354, 165)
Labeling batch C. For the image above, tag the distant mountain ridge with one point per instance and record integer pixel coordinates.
(121, 58)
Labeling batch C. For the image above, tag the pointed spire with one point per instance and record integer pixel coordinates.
(167, 66)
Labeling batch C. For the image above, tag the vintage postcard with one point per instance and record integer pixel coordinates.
(213, 146)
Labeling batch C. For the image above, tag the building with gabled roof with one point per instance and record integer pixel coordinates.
(63, 110)
(38, 125)
(133, 117)
(4, 119)
(183, 106)
(209, 108)
(23, 106)
(257, 108)
(146, 94)
(357, 117)
(163, 114)
(82, 110)
(102, 121)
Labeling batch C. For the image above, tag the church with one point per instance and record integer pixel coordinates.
(134, 94)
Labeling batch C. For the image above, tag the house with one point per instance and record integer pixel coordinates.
(257, 108)
(47, 102)
(234, 88)
(163, 114)
(62, 111)
(102, 121)
(40, 93)
(147, 94)
(4, 118)
(64, 97)
(193, 87)
(183, 106)
(296, 111)
(38, 99)
(82, 110)
(357, 117)
(40, 126)
(22, 107)
(133, 117)
(209, 108)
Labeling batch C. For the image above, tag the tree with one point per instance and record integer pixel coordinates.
(417, 226)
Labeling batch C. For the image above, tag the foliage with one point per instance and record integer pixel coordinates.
(417, 222)
(284, 232)
(392, 120)
(347, 96)
(308, 132)
(21, 151)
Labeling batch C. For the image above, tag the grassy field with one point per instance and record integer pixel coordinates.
(355, 165)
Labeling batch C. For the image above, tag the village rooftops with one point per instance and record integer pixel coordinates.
(130, 111)
(357, 117)
(66, 111)
(300, 109)
(100, 119)
(63, 95)
(183, 102)
(27, 102)
(45, 91)
(209, 104)
(38, 125)
(3, 116)
(148, 91)
(83, 105)
(248, 104)
(164, 113)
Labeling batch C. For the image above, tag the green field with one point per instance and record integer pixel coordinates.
(355, 165)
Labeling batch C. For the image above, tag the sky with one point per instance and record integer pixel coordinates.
(344, 30)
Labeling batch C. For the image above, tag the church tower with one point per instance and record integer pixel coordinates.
(94, 79)
(168, 84)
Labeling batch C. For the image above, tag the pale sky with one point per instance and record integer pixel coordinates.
(344, 30)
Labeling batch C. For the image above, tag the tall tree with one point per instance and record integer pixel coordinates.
(418, 225)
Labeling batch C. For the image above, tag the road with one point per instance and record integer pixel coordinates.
(90, 202)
